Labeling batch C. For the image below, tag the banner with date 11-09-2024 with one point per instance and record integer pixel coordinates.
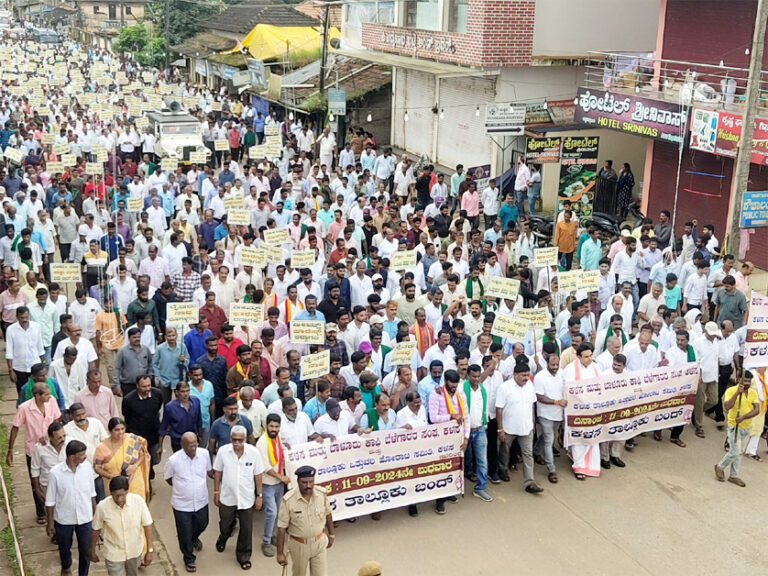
(621, 406)
(384, 469)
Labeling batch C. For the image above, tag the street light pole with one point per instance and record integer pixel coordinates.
(167, 39)
(741, 181)
(324, 53)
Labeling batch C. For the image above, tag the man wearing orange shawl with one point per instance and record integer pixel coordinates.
(423, 331)
(274, 480)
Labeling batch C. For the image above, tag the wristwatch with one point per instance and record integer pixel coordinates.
(258, 495)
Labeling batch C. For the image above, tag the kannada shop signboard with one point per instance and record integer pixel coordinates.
(578, 171)
(542, 150)
(384, 469)
(754, 210)
(621, 406)
(631, 114)
(719, 132)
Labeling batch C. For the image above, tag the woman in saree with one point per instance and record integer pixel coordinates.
(123, 454)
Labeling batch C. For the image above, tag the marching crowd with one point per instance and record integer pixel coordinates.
(103, 378)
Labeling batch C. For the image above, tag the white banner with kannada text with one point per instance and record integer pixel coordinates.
(756, 344)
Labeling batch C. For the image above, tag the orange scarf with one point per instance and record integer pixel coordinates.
(424, 337)
(449, 404)
(239, 368)
(290, 309)
(275, 449)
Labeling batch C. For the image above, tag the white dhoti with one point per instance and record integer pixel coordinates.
(586, 457)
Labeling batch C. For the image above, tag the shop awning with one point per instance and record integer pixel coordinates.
(266, 42)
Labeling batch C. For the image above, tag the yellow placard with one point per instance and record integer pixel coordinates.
(198, 158)
(308, 332)
(536, 318)
(506, 288)
(169, 164)
(403, 259)
(402, 354)
(232, 202)
(238, 216)
(273, 254)
(13, 154)
(276, 236)
(92, 168)
(252, 256)
(545, 256)
(589, 280)
(102, 157)
(65, 273)
(141, 122)
(215, 106)
(507, 327)
(48, 138)
(246, 314)
(315, 365)
(135, 204)
(68, 159)
(55, 167)
(182, 313)
(61, 148)
(258, 151)
(568, 281)
(302, 258)
(271, 130)
(220, 145)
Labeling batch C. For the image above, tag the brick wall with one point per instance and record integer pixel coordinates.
(499, 33)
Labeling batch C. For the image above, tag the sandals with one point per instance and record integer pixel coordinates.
(552, 477)
(41, 520)
(245, 565)
(578, 476)
(677, 442)
(657, 435)
(700, 433)
(220, 546)
(190, 567)
(756, 458)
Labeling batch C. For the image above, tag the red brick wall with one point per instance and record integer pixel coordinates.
(499, 33)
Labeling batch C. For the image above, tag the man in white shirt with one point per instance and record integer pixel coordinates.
(548, 385)
(69, 502)
(707, 348)
(237, 474)
(625, 264)
(91, 432)
(23, 347)
(413, 415)
(490, 201)
(522, 178)
(296, 428)
(695, 289)
(335, 423)
(187, 473)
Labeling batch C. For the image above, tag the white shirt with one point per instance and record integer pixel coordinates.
(85, 351)
(604, 361)
(338, 428)
(358, 288)
(84, 315)
(695, 290)
(71, 383)
(24, 347)
(447, 357)
(475, 407)
(677, 357)
(406, 417)
(522, 177)
(728, 347)
(490, 200)
(516, 403)
(639, 360)
(238, 486)
(551, 387)
(624, 265)
(92, 436)
(44, 458)
(298, 431)
(189, 491)
(70, 493)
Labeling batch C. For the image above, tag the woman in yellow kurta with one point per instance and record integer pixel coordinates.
(123, 454)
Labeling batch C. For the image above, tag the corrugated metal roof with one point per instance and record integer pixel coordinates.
(242, 18)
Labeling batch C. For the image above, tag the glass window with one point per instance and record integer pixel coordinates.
(457, 16)
(422, 14)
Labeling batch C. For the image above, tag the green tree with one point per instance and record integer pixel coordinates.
(184, 16)
(146, 47)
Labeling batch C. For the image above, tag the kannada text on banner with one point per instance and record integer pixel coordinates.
(182, 313)
(65, 273)
(308, 332)
(621, 406)
(756, 343)
(315, 365)
(246, 314)
(384, 469)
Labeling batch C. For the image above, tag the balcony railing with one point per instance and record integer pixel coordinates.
(713, 86)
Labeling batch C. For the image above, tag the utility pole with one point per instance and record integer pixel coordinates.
(167, 39)
(741, 180)
(324, 56)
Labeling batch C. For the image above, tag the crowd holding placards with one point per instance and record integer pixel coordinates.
(394, 265)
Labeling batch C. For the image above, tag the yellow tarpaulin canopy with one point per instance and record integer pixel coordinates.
(267, 42)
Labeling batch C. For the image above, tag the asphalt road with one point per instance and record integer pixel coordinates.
(663, 514)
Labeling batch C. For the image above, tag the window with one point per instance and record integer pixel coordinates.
(422, 14)
(457, 16)
(128, 10)
(95, 9)
(112, 8)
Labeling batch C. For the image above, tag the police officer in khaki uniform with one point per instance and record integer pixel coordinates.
(303, 514)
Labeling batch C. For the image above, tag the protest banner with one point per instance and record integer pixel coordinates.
(197, 158)
(246, 314)
(308, 332)
(384, 469)
(315, 365)
(273, 254)
(182, 313)
(221, 145)
(509, 327)
(402, 260)
(55, 168)
(252, 256)
(169, 164)
(233, 202)
(402, 353)
(135, 204)
(302, 258)
(238, 216)
(61, 148)
(536, 318)
(276, 236)
(622, 406)
(589, 281)
(13, 154)
(756, 344)
(506, 288)
(65, 273)
(216, 106)
(48, 138)
(68, 159)
(545, 257)
(568, 281)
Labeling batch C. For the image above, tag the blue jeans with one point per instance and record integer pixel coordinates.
(47, 355)
(532, 197)
(273, 493)
(520, 201)
(736, 447)
(478, 443)
(64, 537)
